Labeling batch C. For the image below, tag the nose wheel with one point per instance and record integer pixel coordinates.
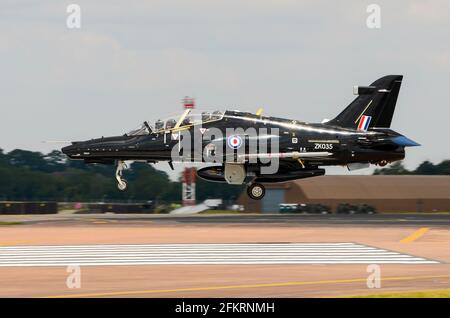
(256, 191)
(122, 184)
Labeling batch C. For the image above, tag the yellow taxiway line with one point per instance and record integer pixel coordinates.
(210, 288)
(417, 234)
(427, 293)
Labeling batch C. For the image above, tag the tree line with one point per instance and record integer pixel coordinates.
(425, 168)
(29, 175)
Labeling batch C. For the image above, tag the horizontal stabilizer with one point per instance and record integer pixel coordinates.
(404, 141)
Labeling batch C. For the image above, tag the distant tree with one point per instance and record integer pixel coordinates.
(2, 156)
(55, 160)
(444, 167)
(146, 182)
(426, 168)
(29, 159)
(214, 190)
(395, 168)
(28, 175)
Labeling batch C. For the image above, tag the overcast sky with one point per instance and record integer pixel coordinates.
(134, 60)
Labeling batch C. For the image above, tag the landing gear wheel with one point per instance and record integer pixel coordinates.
(256, 191)
(382, 163)
(122, 185)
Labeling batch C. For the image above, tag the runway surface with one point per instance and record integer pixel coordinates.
(222, 256)
(203, 254)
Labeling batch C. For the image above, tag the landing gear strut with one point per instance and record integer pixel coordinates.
(121, 183)
(256, 191)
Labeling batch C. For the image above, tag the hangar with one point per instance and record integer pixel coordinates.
(387, 193)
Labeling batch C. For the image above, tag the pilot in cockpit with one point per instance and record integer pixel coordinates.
(171, 123)
(159, 125)
(187, 121)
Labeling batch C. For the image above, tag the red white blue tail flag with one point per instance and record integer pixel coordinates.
(364, 122)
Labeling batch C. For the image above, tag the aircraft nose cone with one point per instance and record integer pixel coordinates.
(69, 150)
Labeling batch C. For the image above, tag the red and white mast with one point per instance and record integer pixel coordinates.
(190, 173)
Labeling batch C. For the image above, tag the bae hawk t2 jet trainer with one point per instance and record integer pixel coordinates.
(359, 136)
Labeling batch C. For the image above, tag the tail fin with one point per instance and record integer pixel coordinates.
(376, 101)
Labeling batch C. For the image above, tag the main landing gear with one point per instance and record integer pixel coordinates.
(256, 191)
(122, 184)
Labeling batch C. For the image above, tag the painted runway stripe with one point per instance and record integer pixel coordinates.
(416, 235)
(203, 254)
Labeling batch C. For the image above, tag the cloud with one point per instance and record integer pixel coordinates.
(434, 12)
(297, 59)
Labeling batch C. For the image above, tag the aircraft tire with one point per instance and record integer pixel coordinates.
(123, 186)
(256, 191)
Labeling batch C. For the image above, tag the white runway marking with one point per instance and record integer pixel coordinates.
(203, 254)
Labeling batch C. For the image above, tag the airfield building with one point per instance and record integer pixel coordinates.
(387, 193)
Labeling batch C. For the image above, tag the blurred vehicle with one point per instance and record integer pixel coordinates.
(345, 208)
(237, 207)
(366, 209)
(314, 209)
(288, 208)
(304, 208)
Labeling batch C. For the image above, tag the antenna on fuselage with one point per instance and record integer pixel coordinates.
(259, 112)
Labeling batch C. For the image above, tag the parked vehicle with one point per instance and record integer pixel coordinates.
(366, 209)
(314, 208)
(288, 208)
(345, 208)
(304, 208)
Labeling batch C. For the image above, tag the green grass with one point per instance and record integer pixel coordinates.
(10, 223)
(412, 212)
(444, 293)
(220, 212)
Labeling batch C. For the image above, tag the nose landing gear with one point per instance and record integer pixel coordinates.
(122, 184)
(256, 191)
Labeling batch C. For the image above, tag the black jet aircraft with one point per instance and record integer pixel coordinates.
(359, 136)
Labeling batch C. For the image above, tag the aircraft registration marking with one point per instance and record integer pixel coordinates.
(323, 146)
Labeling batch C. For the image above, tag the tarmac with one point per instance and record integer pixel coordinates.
(222, 255)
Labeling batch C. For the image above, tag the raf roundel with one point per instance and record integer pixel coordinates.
(234, 142)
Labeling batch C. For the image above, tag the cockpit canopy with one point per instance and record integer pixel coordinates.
(186, 119)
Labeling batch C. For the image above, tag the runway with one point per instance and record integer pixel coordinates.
(203, 254)
(412, 219)
(222, 256)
